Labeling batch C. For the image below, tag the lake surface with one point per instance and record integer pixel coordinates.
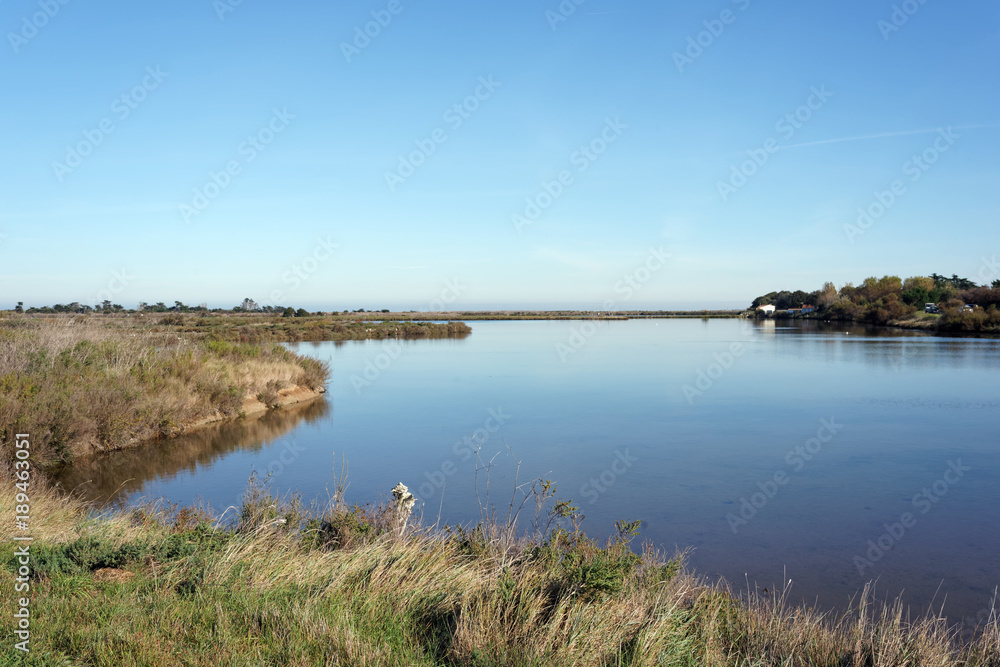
(828, 454)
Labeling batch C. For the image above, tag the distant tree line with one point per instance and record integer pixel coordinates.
(962, 304)
(248, 305)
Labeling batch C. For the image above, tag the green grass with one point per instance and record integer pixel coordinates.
(340, 586)
(86, 384)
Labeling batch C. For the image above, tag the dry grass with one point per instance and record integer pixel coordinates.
(286, 587)
(82, 384)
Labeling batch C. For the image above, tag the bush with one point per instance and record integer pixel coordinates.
(314, 373)
(269, 396)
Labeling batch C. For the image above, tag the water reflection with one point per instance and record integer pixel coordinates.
(879, 347)
(910, 403)
(115, 477)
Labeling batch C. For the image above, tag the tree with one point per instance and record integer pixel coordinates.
(918, 282)
(301, 312)
(827, 295)
(961, 283)
(874, 289)
(996, 284)
(289, 312)
(20, 307)
(249, 305)
(918, 290)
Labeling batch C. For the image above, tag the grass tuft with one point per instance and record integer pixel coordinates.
(341, 585)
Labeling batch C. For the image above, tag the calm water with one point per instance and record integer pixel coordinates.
(829, 455)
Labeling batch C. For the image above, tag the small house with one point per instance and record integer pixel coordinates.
(768, 310)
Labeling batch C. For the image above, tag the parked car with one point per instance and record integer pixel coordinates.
(931, 308)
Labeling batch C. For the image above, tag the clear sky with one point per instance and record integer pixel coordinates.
(739, 138)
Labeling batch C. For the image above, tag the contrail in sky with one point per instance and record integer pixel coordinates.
(887, 134)
(882, 135)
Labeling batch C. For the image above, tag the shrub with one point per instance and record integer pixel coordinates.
(269, 396)
(314, 373)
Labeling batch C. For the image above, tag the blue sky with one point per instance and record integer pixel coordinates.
(667, 121)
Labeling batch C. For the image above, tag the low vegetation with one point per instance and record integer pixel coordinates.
(961, 304)
(269, 328)
(277, 584)
(83, 384)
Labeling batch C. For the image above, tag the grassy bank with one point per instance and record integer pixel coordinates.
(85, 384)
(342, 586)
(258, 328)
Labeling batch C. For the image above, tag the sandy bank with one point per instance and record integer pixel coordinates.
(251, 406)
